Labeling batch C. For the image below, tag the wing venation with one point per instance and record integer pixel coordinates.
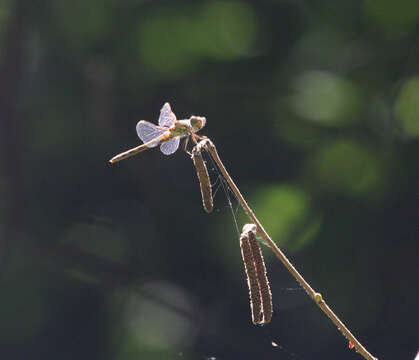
(147, 131)
(169, 147)
(167, 117)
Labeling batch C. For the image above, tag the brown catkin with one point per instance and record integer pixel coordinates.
(259, 289)
(204, 180)
(252, 279)
(263, 281)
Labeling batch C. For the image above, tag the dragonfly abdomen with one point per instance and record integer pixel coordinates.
(128, 153)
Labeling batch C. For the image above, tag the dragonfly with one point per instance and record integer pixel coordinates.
(167, 134)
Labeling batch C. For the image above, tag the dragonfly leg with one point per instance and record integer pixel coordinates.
(194, 137)
(199, 138)
(185, 146)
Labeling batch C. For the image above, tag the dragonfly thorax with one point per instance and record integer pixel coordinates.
(181, 128)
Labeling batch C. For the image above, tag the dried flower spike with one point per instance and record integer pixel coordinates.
(203, 177)
(259, 289)
(252, 279)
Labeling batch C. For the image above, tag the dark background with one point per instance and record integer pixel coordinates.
(313, 106)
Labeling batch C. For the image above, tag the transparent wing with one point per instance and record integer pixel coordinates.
(167, 118)
(169, 147)
(147, 131)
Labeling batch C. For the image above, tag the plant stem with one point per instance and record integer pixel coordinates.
(317, 297)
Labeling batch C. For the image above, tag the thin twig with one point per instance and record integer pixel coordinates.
(317, 297)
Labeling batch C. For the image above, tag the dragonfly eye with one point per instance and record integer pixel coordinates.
(197, 122)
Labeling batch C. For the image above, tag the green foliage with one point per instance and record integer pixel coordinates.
(326, 99)
(347, 167)
(286, 214)
(81, 23)
(174, 41)
(393, 18)
(407, 108)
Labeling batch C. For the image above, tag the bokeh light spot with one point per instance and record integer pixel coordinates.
(153, 318)
(407, 107)
(348, 167)
(165, 45)
(325, 98)
(173, 42)
(232, 26)
(92, 21)
(286, 213)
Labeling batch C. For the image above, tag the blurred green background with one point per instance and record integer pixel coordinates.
(313, 106)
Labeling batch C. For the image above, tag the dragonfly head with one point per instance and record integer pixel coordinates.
(197, 122)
